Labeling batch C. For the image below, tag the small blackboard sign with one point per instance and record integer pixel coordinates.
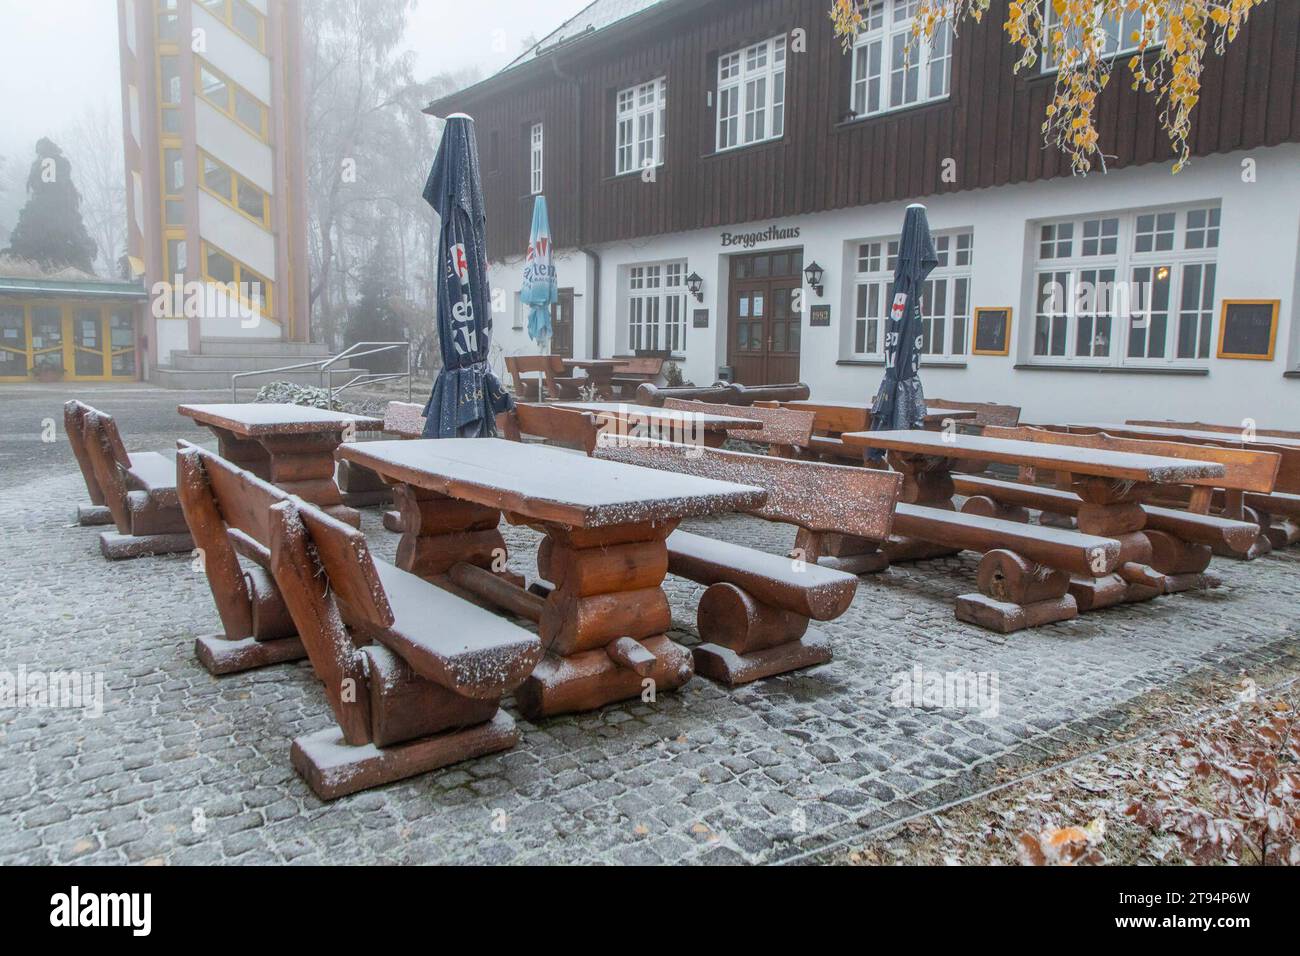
(1248, 329)
(992, 332)
(819, 315)
(701, 318)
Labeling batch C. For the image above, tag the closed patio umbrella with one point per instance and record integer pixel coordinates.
(538, 290)
(467, 395)
(900, 402)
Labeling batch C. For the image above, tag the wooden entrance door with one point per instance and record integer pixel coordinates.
(763, 324)
(562, 324)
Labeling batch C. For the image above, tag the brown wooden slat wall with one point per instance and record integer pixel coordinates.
(990, 125)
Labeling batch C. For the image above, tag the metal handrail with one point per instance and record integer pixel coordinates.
(327, 371)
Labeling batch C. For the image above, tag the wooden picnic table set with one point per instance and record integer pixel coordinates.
(415, 657)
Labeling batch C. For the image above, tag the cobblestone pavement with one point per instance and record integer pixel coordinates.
(184, 768)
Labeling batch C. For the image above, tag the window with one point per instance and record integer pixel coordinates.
(246, 21)
(656, 312)
(639, 123)
(751, 94)
(1114, 36)
(887, 75)
(235, 191)
(535, 158)
(251, 287)
(232, 99)
(945, 298)
(1143, 278)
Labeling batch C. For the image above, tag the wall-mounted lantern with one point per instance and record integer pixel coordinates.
(814, 274)
(694, 283)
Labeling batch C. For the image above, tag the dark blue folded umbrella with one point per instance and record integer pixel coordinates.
(900, 402)
(467, 395)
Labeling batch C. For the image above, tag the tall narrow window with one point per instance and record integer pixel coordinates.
(892, 69)
(945, 298)
(535, 159)
(639, 114)
(751, 94)
(656, 308)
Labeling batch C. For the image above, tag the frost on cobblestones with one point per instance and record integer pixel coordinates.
(187, 768)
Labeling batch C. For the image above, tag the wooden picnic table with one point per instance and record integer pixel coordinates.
(599, 371)
(603, 614)
(1111, 484)
(676, 424)
(291, 446)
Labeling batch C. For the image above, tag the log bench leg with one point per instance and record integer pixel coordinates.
(333, 768)
(121, 547)
(92, 515)
(746, 640)
(1016, 593)
(1112, 509)
(985, 507)
(439, 532)
(842, 552)
(607, 588)
(303, 465)
(273, 638)
(1182, 563)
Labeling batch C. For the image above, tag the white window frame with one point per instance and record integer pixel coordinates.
(751, 94)
(945, 302)
(640, 114)
(882, 70)
(1080, 302)
(656, 306)
(1119, 39)
(535, 153)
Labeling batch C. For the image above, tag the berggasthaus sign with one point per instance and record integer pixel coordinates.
(750, 239)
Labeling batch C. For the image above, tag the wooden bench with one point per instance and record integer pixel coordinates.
(95, 513)
(986, 413)
(1182, 542)
(425, 689)
(722, 393)
(1278, 512)
(784, 431)
(634, 371)
(754, 616)
(549, 381)
(138, 490)
(226, 508)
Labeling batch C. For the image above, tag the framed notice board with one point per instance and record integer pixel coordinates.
(1248, 329)
(700, 319)
(992, 331)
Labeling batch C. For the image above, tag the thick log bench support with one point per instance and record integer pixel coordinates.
(97, 512)
(607, 591)
(754, 617)
(1016, 593)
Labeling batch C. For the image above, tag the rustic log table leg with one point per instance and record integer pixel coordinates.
(247, 453)
(604, 623)
(438, 532)
(1016, 593)
(1151, 562)
(303, 465)
(927, 481)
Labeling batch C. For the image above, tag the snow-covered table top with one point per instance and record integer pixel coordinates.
(255, 419)
(549, 484)
(1073, 459)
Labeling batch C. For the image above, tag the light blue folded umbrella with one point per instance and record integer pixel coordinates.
(538, 290)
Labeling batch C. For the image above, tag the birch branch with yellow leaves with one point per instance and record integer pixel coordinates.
(1167, 41)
